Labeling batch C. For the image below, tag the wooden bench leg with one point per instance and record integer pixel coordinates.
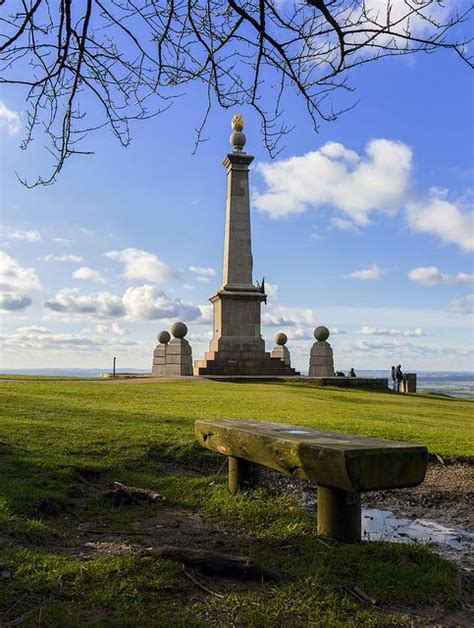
(339, 514)
(242, 474)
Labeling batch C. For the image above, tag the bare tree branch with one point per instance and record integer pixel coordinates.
(90, 64)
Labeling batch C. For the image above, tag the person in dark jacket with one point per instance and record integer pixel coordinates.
(352, 373)
(399, 376)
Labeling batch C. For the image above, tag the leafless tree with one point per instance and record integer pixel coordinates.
(86, 64)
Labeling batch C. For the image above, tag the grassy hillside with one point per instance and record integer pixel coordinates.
(70, 557)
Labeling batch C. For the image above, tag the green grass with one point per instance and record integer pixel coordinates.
(143, 434)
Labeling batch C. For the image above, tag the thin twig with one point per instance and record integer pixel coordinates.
(200, 585)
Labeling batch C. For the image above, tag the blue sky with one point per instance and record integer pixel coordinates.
(365, 227)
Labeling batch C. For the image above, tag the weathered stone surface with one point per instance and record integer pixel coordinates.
(321, 361)
(321, 333)
(159, 359)
(282, 352)
(237, 304)
(179, 330)
(174, 359)
(408, 383)
(281, 338)
(237, 247)
(347, 462)
(164, 337)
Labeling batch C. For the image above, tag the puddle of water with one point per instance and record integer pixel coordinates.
(295, 431)
(383, 525)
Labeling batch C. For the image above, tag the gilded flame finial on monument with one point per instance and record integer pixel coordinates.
(238, 122)
(237, 139)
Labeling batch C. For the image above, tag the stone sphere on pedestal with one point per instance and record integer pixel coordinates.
(321, 333)
(281, 338)
(179, 330)
(164, 337)
(237, 140)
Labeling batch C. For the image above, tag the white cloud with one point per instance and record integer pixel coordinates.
(335, 176)
(88, 274)
(203, 271)
(28, 235)
(63, 241)
(356, 186)
(13, 301)
(41, 339)
(432, 276)
(199, 337)
(399, 16)
(34, 329)
(343, 224)
(149, 303)
(376, 331)
(401, 349)
(446, 220)
(281, 316)
(115, 328)
(14, 277)
(367, 274)
(100, 304)
(207, 313)
(137, 303)
(68, 257)
(118, 330)
(463, 306)
(9, 119)
(141, 265)
(271, 290)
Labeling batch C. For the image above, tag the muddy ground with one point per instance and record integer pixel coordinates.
(445, 497)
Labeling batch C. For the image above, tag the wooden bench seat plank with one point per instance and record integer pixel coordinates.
(347, 462)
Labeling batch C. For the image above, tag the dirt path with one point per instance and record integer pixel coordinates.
(446, 497)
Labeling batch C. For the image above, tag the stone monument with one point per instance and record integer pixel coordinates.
(159, 354)
(172, 359)
(237, 347)
(281, 350)
(321, 361)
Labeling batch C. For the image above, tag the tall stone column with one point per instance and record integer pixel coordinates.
(237, 302)
(237, 346)
(237, 266)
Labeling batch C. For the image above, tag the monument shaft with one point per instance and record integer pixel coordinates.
(237, 271)
(237, 346)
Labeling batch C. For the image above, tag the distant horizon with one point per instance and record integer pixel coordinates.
(148, 369)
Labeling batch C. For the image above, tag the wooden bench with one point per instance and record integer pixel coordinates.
(342, 465)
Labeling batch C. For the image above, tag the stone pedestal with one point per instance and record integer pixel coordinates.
(409, 383)
(280, 350)
(282, 353)
(159, 355)
(237, 346)
(321, 361)
(179, 359)
(173, 359)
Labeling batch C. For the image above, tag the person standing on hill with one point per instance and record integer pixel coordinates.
(394, 379)
(399, 376)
